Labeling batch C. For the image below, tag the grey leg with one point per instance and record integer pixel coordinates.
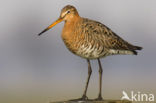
(89, 74)
(84, 97)
(100, 81)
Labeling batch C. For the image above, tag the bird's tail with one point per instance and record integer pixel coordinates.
(136, 48)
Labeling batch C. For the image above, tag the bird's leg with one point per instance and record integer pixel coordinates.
(84, 97)
(100, 81)
(89, 74)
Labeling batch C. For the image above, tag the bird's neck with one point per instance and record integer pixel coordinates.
(71, 24)
(69, 28)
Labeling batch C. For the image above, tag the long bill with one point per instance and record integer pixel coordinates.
(50, 26)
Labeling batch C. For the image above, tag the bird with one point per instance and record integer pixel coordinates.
(90, 40)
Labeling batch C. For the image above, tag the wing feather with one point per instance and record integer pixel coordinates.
(109, 39)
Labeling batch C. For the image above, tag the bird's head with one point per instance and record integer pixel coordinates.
(67, 13)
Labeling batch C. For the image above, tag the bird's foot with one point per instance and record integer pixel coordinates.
(99, 98)
(83, 98)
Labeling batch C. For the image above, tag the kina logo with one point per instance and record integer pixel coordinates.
(138, 96)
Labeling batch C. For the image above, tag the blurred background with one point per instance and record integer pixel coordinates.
(40, 69)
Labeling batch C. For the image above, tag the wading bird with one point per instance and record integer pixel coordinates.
(90, 39)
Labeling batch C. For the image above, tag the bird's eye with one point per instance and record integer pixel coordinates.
(68, 11)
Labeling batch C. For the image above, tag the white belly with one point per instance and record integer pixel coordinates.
(91, 52)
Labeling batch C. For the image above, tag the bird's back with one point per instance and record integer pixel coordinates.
(94, 40)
